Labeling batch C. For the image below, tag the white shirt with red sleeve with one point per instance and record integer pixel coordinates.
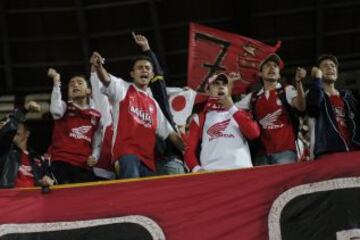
(223, 142)
(77, 132)
(137, 120)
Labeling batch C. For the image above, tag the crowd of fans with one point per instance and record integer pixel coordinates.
(118, 129)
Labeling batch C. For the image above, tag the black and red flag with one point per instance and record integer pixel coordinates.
(314, 200)
(212, 50)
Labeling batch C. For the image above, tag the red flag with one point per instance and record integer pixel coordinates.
(236, 204)
(212, 50)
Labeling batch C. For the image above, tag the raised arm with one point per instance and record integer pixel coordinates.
(143, 43)
(158, 84)
(101, 102)
(57, 106)
(315, 95)
(247, 125)
(96, 61)
(10, 124)
(299, 101)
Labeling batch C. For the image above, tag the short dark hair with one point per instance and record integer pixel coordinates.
(81, 76)
(139, 58)
(327, 57)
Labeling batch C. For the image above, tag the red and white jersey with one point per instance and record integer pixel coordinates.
(338, 106)
(25, 177)
(76, 133)
(277, 132)
(137, 120)
(223, 142)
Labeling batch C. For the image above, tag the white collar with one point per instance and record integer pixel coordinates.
(278, 86)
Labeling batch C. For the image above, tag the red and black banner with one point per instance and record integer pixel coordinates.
(312, 200)
(212, 50)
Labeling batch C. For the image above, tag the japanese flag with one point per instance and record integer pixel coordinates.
(181, 103)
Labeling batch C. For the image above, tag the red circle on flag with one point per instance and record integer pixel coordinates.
(178, 103)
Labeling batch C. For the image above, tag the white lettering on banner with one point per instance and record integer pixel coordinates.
(79, 133)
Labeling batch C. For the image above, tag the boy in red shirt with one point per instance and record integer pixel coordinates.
(76, 136)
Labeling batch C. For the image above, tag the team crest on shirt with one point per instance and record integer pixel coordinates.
(80, 133)
(217, 130)
(141, 116)
(269, 121)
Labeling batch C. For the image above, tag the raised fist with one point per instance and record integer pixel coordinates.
(96, 60)
(234, 76)
(52, 73)
(32, 106)
(300, 74)
(316, 72)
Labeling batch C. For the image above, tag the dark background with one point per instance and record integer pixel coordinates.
(38, 34)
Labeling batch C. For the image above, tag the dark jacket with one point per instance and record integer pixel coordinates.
(10, 154)
(327, 136)
(158, 89)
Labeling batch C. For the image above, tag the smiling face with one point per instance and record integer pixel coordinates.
(78, 88)
(330, 70)
(142, 73)
(270, 71)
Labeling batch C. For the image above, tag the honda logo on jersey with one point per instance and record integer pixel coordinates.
(80, 133)
(142, 116)
(269, 121)
(217, 130)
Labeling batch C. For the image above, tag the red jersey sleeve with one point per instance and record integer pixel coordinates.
(193, 141)
(248, 126)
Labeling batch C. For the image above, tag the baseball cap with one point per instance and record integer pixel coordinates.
(327, 57)
(273, 57)
(221, 76)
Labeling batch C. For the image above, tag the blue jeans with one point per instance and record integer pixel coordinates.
(169, 166)
(132, 167)
(284, 157)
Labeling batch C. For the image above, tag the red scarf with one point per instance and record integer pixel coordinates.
(212, 104)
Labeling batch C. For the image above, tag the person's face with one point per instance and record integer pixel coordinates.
(329, 70)
(142, 73)
(218, 88)
(78, 88)
(22, 134)
(270, 71)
